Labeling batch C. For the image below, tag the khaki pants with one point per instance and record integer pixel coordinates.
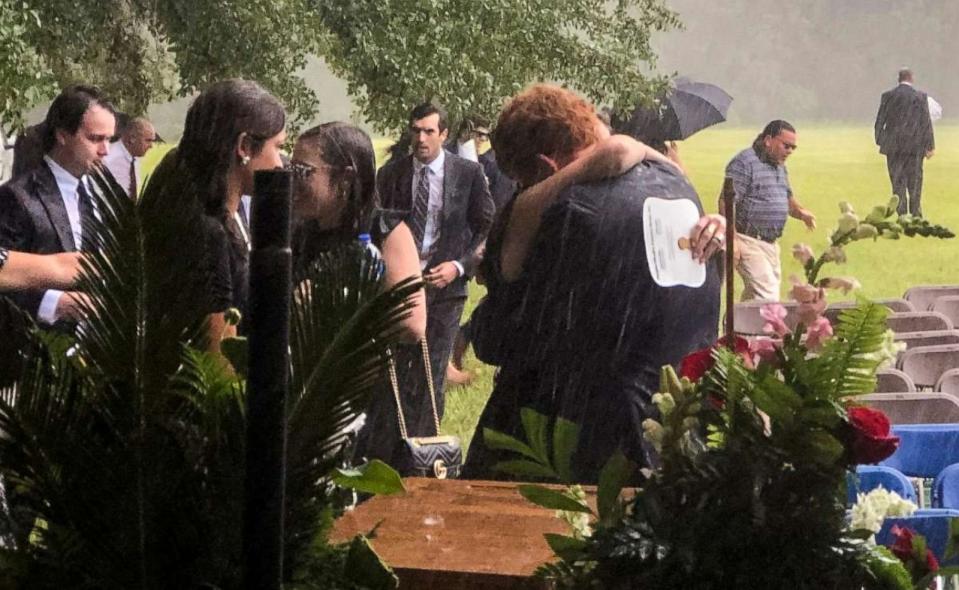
(759, 266)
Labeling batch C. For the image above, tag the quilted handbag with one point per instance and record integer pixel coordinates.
(425, 456)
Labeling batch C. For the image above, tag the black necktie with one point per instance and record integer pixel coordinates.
(421, 203)
(86, 216)
(132, 189)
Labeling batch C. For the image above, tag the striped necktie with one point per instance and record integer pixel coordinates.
(85, 205)
(132, 189)
(421, 202)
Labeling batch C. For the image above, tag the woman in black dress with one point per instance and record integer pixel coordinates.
(233, 129)
(334, 202)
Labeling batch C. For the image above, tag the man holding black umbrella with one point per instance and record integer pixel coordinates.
(757, 180)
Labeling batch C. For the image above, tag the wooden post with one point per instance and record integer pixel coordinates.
(268, 383)
(729, 206)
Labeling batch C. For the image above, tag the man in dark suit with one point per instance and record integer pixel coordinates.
(45, 211)
(449, 214)
(904, 135)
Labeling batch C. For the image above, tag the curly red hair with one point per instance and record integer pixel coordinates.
(543, 119)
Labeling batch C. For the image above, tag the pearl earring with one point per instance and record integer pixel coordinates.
(245, 160)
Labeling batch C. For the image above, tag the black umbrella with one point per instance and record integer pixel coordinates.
(688, 107)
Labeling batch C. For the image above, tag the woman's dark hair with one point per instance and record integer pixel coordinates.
(348, 151)
(216, 119)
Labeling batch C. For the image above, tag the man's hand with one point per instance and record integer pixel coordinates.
(69, 306)
(930, 154)
(708, 236)
(441, 275)
(807, 217)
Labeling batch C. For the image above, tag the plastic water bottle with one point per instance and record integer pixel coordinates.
(374, 253)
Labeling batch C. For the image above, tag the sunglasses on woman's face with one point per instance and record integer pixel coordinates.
(300, 170)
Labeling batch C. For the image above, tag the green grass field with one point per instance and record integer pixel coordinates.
(832, 164)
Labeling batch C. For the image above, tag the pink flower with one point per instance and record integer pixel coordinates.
(803, 253)
(766, 350)
(804, 292)
(817, 333)
(845, 284)
(775, 316)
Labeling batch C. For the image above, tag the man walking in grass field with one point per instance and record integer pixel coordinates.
(904, 135)
(756, 179)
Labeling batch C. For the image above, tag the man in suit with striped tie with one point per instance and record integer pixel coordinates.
(450, 211)
(48, 210)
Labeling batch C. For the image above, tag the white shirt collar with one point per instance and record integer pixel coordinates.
(906, 83)
(436, 166)
(65, 180)
(122, 150)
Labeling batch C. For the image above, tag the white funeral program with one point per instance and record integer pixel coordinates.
(668, 223)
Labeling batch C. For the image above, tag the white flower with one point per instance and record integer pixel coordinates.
(654, 432)
(865, 231)
(848, 222)
(872, 508)
(889, 351)
(578, 522)
(665, 403)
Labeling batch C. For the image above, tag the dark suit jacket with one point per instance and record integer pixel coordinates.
(34, 219)
(467, 210)
(586, 329)
(903, 124)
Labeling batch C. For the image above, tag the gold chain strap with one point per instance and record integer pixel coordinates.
(429, 383)
(394, 382)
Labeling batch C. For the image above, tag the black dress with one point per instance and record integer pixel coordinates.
(227, 271)
(380, 437)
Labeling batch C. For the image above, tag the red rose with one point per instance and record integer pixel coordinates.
(868, 439)
(904, 550)
(696, 364)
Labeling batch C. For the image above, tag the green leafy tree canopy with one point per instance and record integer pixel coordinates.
(392, 53)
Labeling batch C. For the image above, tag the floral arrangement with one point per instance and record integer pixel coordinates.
(873, 508)
(755, 440)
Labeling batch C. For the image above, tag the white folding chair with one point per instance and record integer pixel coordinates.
(925, 364)
(892, 381)
(914, 407)
(917, 321)
(949, 382)
(922, 297)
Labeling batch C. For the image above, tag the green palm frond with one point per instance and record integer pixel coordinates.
(341, 326)
(104, 446)
(123, 451)
(847, 365)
